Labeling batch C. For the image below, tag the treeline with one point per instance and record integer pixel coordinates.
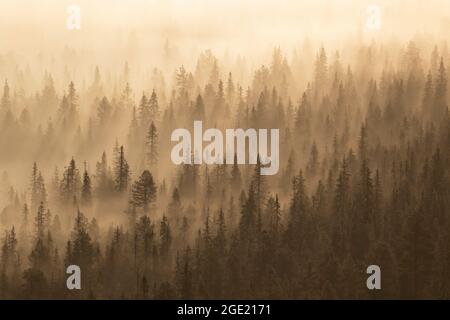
(364, 179)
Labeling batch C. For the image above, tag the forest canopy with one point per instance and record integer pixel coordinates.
(87, 177)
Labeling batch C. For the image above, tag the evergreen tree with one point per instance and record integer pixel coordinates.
(235, 176)
(121, 171)
(144, 112)
(144, 191)
(80, 250)
(104, 112)
(6, 99)
(104, 181)
(70, 183)
(37, 186)
(153, 109)
(165, 237)
(152, 147)
(440, 92)
(86, 189)
(199, 109)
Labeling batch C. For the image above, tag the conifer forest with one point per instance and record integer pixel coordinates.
(86, 176)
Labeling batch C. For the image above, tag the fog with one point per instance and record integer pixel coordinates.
(364, 145)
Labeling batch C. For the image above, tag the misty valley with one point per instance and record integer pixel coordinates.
(228, 150)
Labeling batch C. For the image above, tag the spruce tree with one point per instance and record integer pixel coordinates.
(152, 147)
(86, 189)
(143, 192)
(121, 171)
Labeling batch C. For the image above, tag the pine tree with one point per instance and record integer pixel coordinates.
(133, 132)
(220, 239)
(274, 212)
(9, 250)
(104, 112)
(122, 172)
(104, 181)
(319, 200)
(40, 254)
(40, 222)
(302, 119)
(362, 147)
(230, 89)
(440, 92)
(81, 249)
(165, 237)
(86, 189)
(41, 188)
(144, 112)
(428, 96)
(184, 281)
(152, 147)
(145, 238)
(247, 223)
(321, 71)
(34, 187)
(153, 109)
(258, 186)
(69, 106)
(37, 186)
(72, 96)
(6, 100)
(24, 226)
(313, 161)
(341, 208)
(199, 109)
(144, 191)
(298, 210)
(235, 176)
(70, 183)
(126, 98)
(175, 209)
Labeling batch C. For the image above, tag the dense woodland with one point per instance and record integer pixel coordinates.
(364, 179)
